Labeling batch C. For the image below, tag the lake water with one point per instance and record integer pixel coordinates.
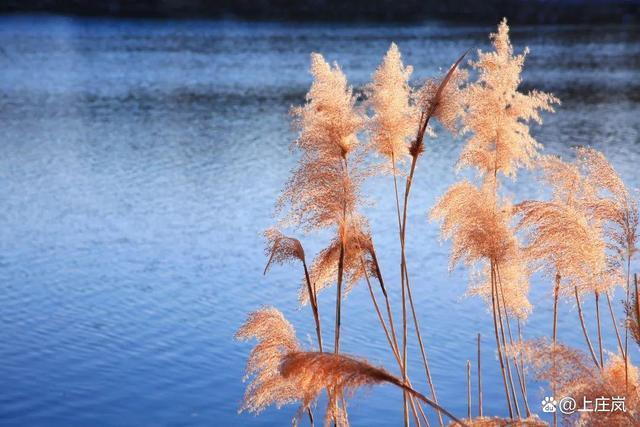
(140, 161)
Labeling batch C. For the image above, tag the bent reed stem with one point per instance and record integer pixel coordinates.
(584, 328)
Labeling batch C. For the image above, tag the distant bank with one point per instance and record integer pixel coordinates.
(518, 11)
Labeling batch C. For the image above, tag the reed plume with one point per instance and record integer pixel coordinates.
(632, 310)
(354, 237)
(276, 338)
(498, 114)
(281, 249)
(341, 375)
(323, 191)
(395, 119)
(561, 240)
(282, 373)
(506, 422)
(478, 231)
(619, 211)
(574, 376)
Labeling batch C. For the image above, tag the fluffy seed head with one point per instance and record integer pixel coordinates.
(276, 338)
(498, 114)
(395, 119)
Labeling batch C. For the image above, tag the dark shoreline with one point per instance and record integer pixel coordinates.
(489, 11)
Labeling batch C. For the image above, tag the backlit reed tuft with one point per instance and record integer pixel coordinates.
(477, 229)
(574, 376)
(281, 373)
(281, 249)
(276, 338)
(498, 113)
(354, 236)
(394, 119)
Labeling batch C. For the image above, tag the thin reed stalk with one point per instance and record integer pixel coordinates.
(403, 264)
(310, 417)
(402, 286)
(336, 345)
(615, 326)
(479, 381)
(469, 389)
(417, 147)
(626, 324)
(498, 345)
(394, 344)
(500, 307)
(637, 308)
(584, 328)
(313, 299)
(519, 374)
(524, 374)
(556, 294)
(394, 349)
(386, 296)
(425, 360)
(597, 295)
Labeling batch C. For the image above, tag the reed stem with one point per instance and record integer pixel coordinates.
(405, 272)
(514, 357)
(394, 349)
(626, 355)
(556, 294)
(479, 381)
(615, 325)
(499, 346)
(626, 323)
(584, 328)
(402, 285)
(469, 390)
(336, 345)
(597, 295)
(499, 296)
(310, 417)
(313, 299)
(524, 374)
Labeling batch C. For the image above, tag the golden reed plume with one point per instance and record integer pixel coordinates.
(395, 119)
(514, 275)
(354, 236)
(573, 376)
(281, 248)
(341, 375)
(532, 421)
(323, 190)
(276, 338)
(282, 373)
(497, 113)
(478, 230)
(443, 98)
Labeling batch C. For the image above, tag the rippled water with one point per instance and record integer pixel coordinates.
(140, 161)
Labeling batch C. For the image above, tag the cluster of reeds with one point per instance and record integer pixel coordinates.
(583, 238)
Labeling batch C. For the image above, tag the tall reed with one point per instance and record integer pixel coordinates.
(583, 238)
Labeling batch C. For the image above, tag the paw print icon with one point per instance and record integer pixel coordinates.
(549, 404)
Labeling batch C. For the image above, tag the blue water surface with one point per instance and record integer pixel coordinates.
(139, 163)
